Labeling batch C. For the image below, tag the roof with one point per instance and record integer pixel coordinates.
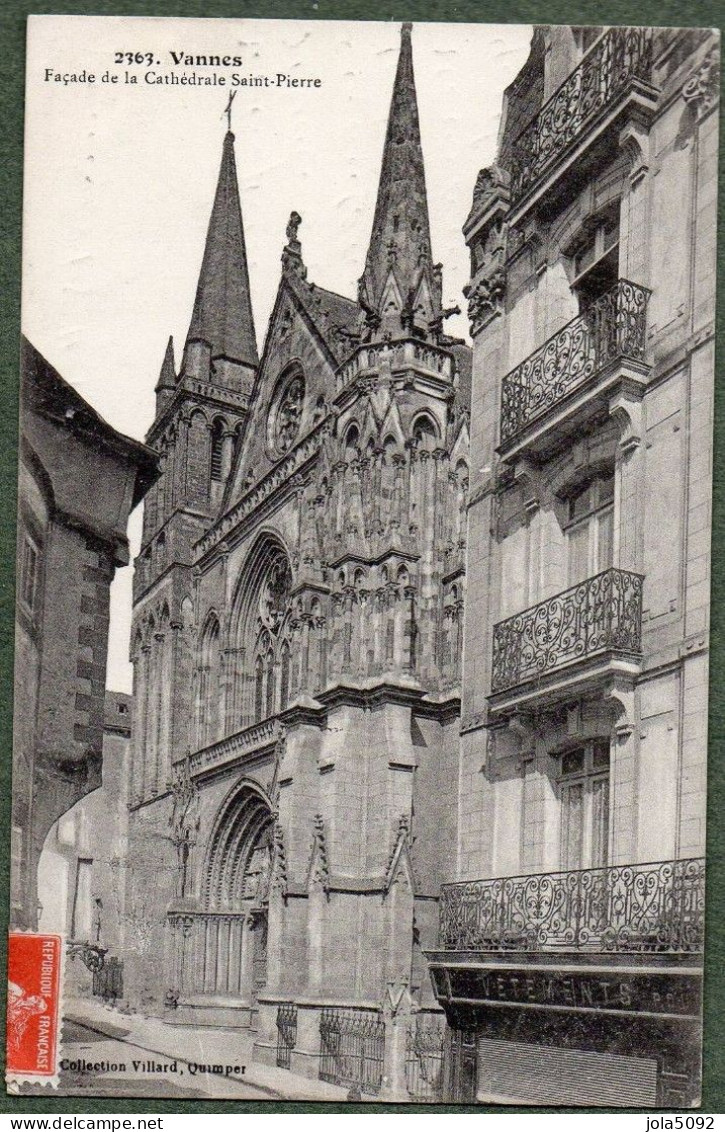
(222, 314)
(331, 313)
(49, 395)
(117, 712)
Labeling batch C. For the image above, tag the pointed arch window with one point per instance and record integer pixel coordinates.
(387, 484)
(315, 671)
(209, 682)
(270, 684)
(284, 675)
(261, 630)
(217, 447)
(238, 438)
(352, 442)
(462, 497)
(425, 434)
(258, 689)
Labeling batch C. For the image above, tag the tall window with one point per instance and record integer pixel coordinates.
(217, 442)
(270, 684)
(209, 710)
(596, 261)
(258, 689)
(262, 632)
(590, 528)
(584, 795)
(387, 482)
(284, 675)
(352, 441)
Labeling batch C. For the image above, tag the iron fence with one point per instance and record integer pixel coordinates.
(286, 1033)
(621, 55)
(601, 614)
(653, 908)
(424, 1062)
(352, 1048)
(108, 980)
(613, 326)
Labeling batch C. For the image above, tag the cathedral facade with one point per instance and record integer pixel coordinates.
(296, 643)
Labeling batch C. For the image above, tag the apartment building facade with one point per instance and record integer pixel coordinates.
(570, 954)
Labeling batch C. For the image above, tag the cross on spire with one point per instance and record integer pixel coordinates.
(228, 110)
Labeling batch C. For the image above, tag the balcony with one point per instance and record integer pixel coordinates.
(399, 356)
(592, 627)
(583, 117)
(553, 390)
(242, 743)
(652, 909)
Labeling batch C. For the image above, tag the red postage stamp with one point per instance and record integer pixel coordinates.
(34, 974)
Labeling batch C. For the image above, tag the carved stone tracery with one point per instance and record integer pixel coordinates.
(184, 821)
(288, 416)
(275, 593)
(488, 247)
(485, 298)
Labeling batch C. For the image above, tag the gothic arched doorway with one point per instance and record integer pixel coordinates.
(225, 949)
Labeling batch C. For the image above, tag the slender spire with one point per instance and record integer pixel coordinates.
(400, 289)
(222, 310)
(167, 374)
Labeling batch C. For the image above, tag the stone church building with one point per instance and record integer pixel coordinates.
(296, 642)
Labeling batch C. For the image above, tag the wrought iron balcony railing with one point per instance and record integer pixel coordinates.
(620, 56)
(623, 908)
(601, 614)
(612, 328)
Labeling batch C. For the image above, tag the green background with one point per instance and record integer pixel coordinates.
(12, 74)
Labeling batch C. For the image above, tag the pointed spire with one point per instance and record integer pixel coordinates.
(222, 316)
(399, 290)
(167, 375)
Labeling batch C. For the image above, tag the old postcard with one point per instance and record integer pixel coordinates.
(363, 561)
